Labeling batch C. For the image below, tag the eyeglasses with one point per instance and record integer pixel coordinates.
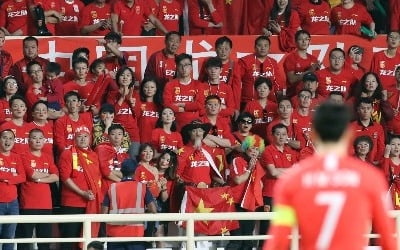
(246, 121)
(334, 58)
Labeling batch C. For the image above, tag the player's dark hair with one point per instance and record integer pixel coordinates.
(78, 51)
(260, 38)
(331, 120)
(181, 57)
(278, 126)
(71, 93)
(171, 33)
(121, 71)
(115, 126)
(53, 67)
(29, 39)
(223, 39)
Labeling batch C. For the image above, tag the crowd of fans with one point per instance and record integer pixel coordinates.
(241, 122)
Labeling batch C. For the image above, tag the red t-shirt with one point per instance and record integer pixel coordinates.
(132, 17)
(21, 136)
(162, 140)
(70, 24)
(393, 126)
(11, 173)
(93, 14)
(5, 112)
(293, 130)
(329, 82)
(384, 67)
(36, 195)
(223, 91)
(142, 174)
(168, 14)
(200, 16)
(48, 135)
(315, 17)
(161, 66)
(351, 193)
(14, 16)
(349, 21)
(148, 113)
(302, 122)
(272, 155)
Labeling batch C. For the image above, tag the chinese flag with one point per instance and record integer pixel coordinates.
(257, 16)
(252, 197)
(210, 200)
(102, 83)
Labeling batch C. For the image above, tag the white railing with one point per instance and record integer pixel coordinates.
(190, 237)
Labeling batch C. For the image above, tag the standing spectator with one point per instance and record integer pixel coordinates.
(348, 17)
(169, 12)
(181, 94)
(81, 184)
(17, 124)
(393, 126)
(164, 136)
(8, 88)
(30, 51)
(385, 62)
(214, 86)
(65, 126)
(40, 115)
(263, 110)
(298, 63)
(14, 16)
(51, 11)
(146, 172)
(148, 108)
(365, 126)
(336, 77)
(362, 147)
(117, 202)
(276, 159)
(35, 193)
(95, 19)
(205, 17)
(391, 168)
(70, 11)
(77, 53)
(354, 59)
(302, 115)
(310, 82)
(161, 64)
(128, 17)
(254, 10)
(314, 16)
(124, 102)
(11, 174)
(36, 91)
(284, 22)
(6, 60)
(260, 64)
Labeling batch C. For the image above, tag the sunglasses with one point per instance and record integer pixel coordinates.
(247, 121)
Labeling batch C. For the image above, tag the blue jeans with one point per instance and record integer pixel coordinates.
(7, 231)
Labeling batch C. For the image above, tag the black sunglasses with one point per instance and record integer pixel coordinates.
(246, 121)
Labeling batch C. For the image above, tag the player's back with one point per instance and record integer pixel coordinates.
(334, 199)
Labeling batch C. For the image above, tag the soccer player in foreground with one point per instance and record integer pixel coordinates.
(331, 196)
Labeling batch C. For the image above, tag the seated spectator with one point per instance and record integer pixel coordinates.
(284, 22)
(70, 11)
(36, 91)
(391, 167)
(169, 12)
(354, 59)
(95, 19)
(362, 147)
(8, 88)
(348, 17)
(5, 56)
(315, 16)
(205, 17)
(14, 16)
(39, 121)
(51, 11)
(310, 82)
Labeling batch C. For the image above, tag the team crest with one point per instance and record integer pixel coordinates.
(33, 163)
(143, 107)
(52, 5)
(294, 121)
(164, 9)
(137, 9)
(93, 14)
(311, 12)
(1, 162)
(255, 113)
(328, 80)
(10, 8)
(382, 64)
(177, 90)
(63, 10)
(254, 67)
(289, 157)
(69, 128)
(75, 7)
(162, 139)
(339, 14)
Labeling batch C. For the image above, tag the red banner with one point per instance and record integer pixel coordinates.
(59, 49)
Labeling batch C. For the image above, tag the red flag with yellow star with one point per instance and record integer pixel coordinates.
(210, 200)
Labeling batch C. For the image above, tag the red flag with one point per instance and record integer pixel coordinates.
(252, 197)
(100, 86)
(234, 8)
(210, 200)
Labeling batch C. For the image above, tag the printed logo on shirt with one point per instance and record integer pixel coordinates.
(73, 19)
(347, 22)
(170, 17)
(137, 9)
(17, 13)
(319, 19)
(382, 64)
(33, 163)
(386, 72)
(183, 98)
(93, 13)
(289, 157)
(331, 88)
(124, 111)
(195, 164)
(177, 90)
(150, 114)
(169, 72)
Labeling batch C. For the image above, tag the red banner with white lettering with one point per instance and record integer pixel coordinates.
(139, 49)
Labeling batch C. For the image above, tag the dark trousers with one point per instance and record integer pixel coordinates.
(246, 227)
(25, 230)
(264, 224)
(71, 230)
(126, 246)
(7, 231)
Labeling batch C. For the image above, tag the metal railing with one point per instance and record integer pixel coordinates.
(190, 238)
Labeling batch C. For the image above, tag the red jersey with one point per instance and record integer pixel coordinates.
(93, 14)
(168, 13)
(144, 175)
(48, 135)
(19, 71)
(36, 195)
(64, 129)
(286, 36)
(148, 113)
(71, 11)
(392, 170)
(294, 132)
(14, 15)
(33, 94)
(77, 175)
(162, 140)
(223, 91)
(315, 17)
(161, 66)
(251, 68)
(296, 64)
(303, 122)
(21, 135)
(230, 74)
(280, 159)
(349, 21)
(384, 67)
(6, 62)
(393, 126)
(329, 82)
(132, 18)
(193, 166)
(11, 173)
(376, 133)
(340, 206)
(200, 16)
(176, 92)
(5, 112)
